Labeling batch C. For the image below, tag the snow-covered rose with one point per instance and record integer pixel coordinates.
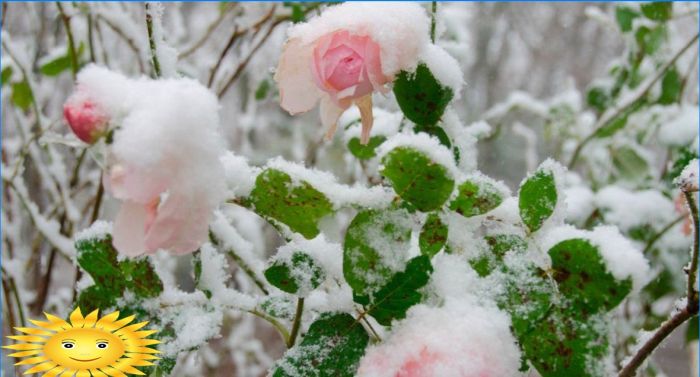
(344, 55)
(458, 340)
(86, 117)
(163, 162)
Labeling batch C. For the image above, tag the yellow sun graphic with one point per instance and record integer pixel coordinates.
(87, 346)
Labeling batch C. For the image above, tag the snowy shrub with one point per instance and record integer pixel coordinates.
(405, 260)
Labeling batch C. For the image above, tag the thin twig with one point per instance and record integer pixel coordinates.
(241, 263)
(98, 200)
(237, 33)
(152, 42)
(677, 319)
(660, 234)
(130, 42)
(297, 322)
(433, 15)
(612, 114)
(275, 323)
(71, 44)
(661, 333)
(692, 272)
(210, 29)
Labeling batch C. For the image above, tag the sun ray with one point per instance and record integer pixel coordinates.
(28, 338)
(57, 323)
(108, 319)
(142, 356)
(33, 360)
(97, 373)
(85, 346)
(91, 319)
(25, 353)
(24, 346)
(43, 367)
(76, 318)
(33, 331)
(69, 372)
(112, 372)
(116, 325)
(55, 372)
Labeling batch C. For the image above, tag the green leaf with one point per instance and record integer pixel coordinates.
(582, 277)
(22, 95)
(657, 10)
(420, 96)
(649, 40)
(629, 164)
(56, 66)
(562, 345)
(499, 245)
(279, 306)
(371, 237)
(670, 87)
(417, 179)
(365, 152)
(433, 236)
(624, 17)
(435, 130)
(6, 74)
(611, 127)
(332, 347)
(476, 198)
(300, 206)
(112, 278)
(537, 199)
(298, 274)
(680, 161)
(262, 90)
(400, 293)
(598, 99)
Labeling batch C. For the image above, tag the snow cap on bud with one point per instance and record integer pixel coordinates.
(86, 118)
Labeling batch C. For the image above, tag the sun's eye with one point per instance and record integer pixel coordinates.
(102, 345)
(68, 345)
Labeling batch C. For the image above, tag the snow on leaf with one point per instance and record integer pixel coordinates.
(400, 293)
(417, 179)
(537, 199)
(332, 347)
(300, 207)
(421, 96)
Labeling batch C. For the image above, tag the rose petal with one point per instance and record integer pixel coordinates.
(129, 183)
(365, 106)
(373, 65)
(128, 231)
(298, 92)
(330, 113)
(180, 226)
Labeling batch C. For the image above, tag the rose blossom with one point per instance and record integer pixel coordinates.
(163, 160)
(347, 53)
(85, 116)
(460, 339)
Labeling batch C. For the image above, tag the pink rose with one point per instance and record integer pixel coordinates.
(456, 340)
(156, 213)
(345, 69)
(341, 57)
(86, 118)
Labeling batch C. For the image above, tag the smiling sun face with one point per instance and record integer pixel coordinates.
(85, 347)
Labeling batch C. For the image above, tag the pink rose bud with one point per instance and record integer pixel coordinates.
(86, 118)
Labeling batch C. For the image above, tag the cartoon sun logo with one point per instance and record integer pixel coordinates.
(87, 346)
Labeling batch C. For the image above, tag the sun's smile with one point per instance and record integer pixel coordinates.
(84, 360)
(106, 346)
